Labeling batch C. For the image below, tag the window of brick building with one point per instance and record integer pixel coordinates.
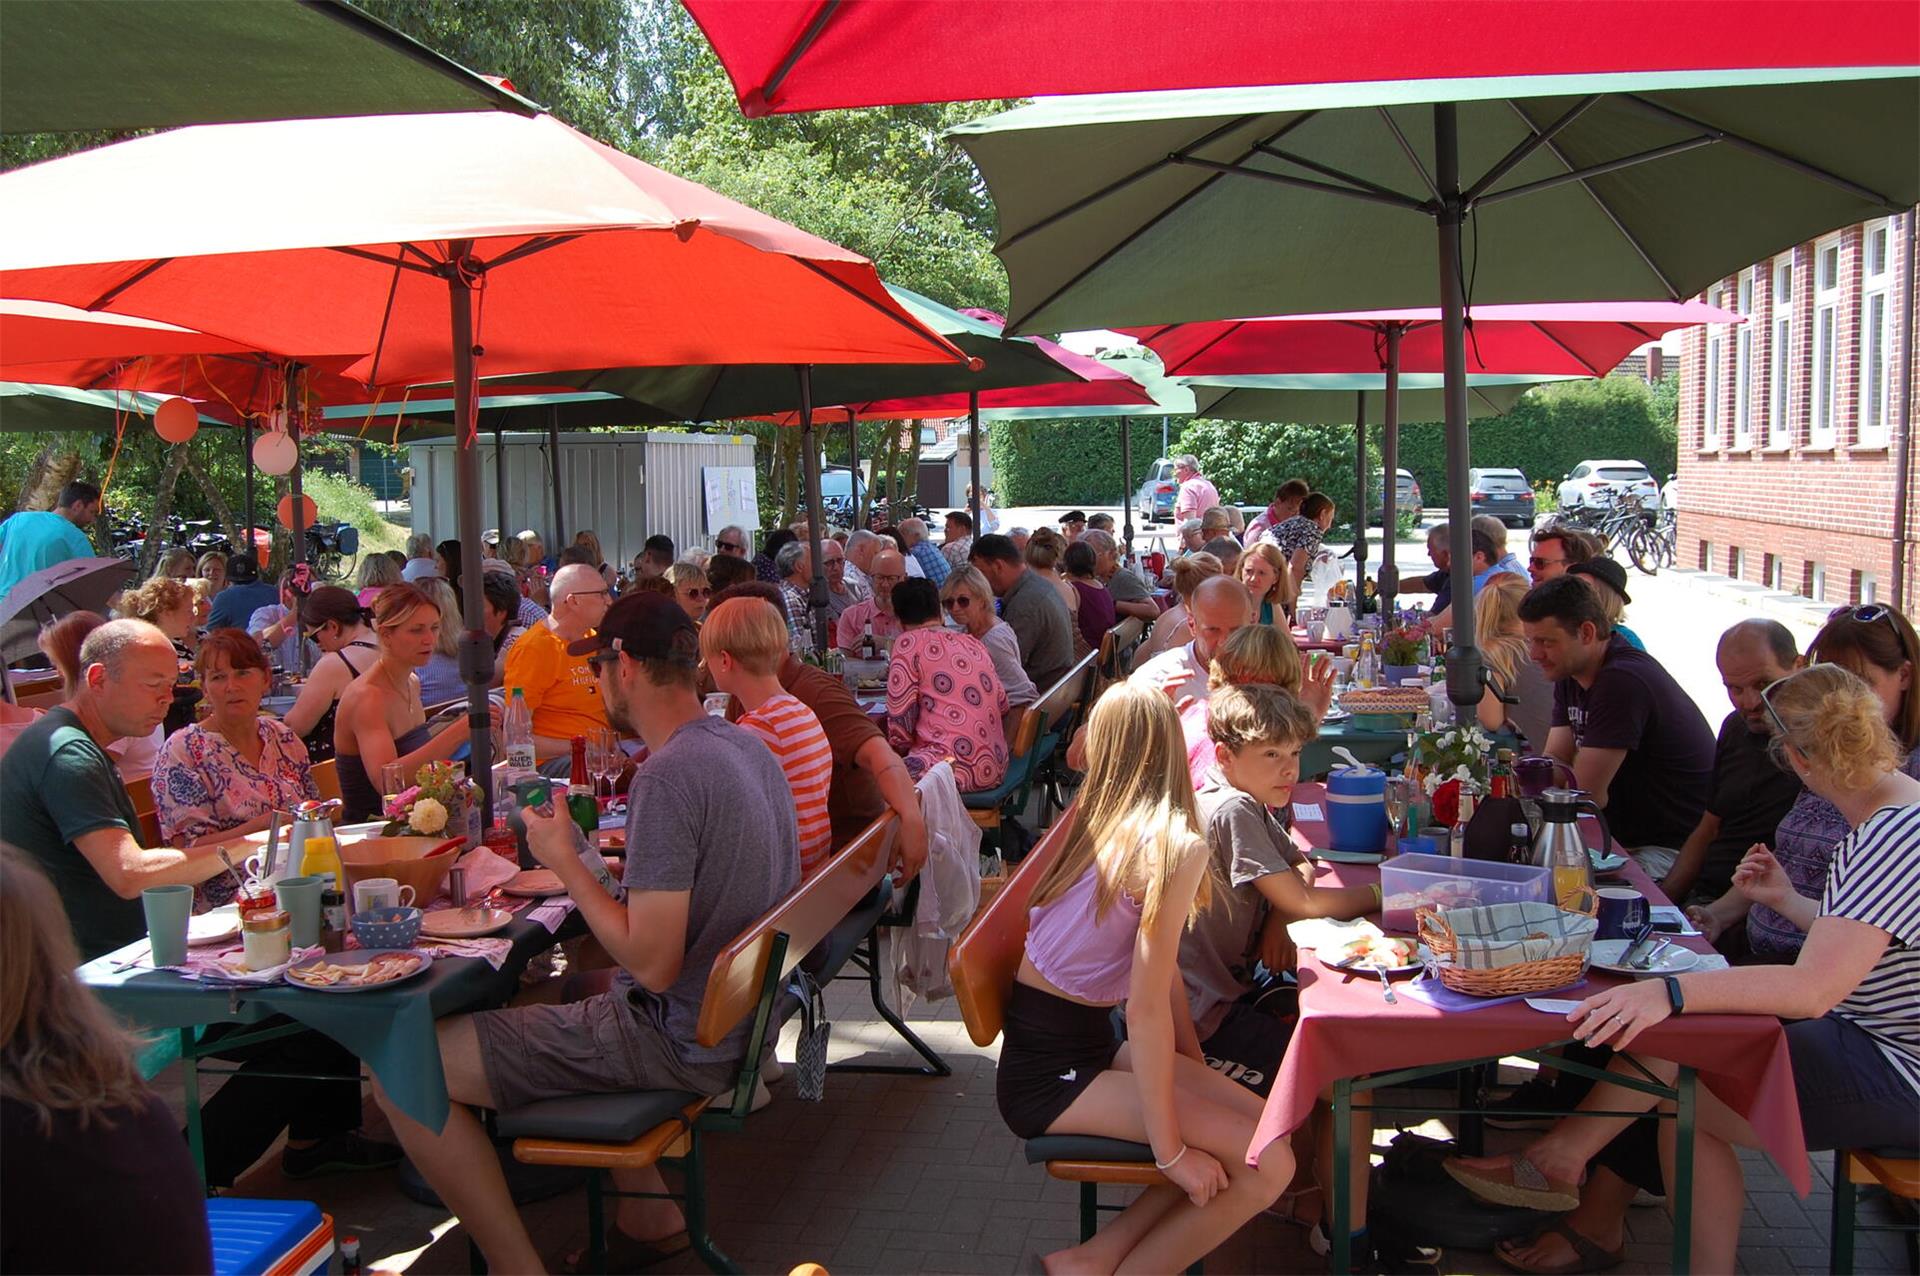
(1716, 368)
(1816, 582)
(1775, 573)
(1780, 357)
(1866, 589)
(1826, 342)
(1876, 333)
(1743, 365)
(1737, 563)
(1706, 556)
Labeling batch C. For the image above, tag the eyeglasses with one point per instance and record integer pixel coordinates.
(589, 593)
(1866, 615)
(957, 602)
(697, 592)
(1538, 562)
(1773, 714)
(729, 545)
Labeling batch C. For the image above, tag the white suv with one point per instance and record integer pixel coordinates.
(1588, 477)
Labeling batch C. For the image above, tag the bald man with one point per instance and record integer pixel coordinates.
(1219, 606)
(886, 569)
(562, 690)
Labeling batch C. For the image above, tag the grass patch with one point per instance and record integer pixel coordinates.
(341, 500)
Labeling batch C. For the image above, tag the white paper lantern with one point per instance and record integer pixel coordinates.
(176, 420)
(275, 452)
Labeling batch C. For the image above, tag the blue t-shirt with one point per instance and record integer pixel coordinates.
(234, 606)
(34, 540)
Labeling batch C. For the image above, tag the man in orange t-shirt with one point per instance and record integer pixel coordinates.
(562, 690)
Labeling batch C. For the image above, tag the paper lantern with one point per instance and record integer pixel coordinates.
(275, 452)
(176, 420)
(308, 511)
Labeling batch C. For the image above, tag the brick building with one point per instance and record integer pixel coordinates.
(1789, 424)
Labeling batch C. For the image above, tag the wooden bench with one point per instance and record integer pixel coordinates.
(632, 1131)
(1115, 648)
(1043, 727)
(982, 964)
(1897, 1172)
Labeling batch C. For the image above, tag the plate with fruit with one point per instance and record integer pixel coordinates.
(1374, 952)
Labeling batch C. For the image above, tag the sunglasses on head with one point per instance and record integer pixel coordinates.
(1773, 714)
(1865, 614)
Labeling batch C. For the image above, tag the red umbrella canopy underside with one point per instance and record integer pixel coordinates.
(810, 55)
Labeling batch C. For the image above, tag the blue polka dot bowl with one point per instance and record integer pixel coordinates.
(393, 926)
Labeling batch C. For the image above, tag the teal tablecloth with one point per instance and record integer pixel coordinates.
(390, 1029)
(1369, 746)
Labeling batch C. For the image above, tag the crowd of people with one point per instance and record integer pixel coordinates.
(1790, 836)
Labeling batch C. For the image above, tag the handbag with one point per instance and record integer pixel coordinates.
(810, 1051)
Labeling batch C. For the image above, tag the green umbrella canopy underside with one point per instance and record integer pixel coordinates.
(1128, 209)
(67, 65)
(25, 407)
(1317, 399)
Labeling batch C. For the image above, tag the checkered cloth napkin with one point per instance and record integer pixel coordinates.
(1494, 936)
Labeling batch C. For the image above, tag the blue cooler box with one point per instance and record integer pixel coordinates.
(268, 1238)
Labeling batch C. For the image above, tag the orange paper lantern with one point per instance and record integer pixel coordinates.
(176, 420)
(308, 511)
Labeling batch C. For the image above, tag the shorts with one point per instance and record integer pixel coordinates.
(1851, 1095)
(1658, 861)
(598, 1045)
(1248, 1046)
(1051, 1049)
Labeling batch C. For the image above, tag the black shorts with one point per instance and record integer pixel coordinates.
(1050, 1050)
(1248, 1046)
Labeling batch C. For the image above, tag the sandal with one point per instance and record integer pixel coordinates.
(1587, 1256)
(1523, 1184)
(625, 1254)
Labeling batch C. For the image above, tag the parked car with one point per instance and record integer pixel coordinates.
(1578, 488)
(1406, 497)
(1503, 493)
(1153, 502)
(839, 488)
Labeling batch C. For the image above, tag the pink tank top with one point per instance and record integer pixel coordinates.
(1082, 955)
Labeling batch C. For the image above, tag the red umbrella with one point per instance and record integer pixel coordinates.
(809, 55)
(38, 332)
(544, 248)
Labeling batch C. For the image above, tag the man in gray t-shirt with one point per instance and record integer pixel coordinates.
(1032, 608)
(712, 844)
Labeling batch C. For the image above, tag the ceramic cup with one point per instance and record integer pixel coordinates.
(380, 892)
(1623, 911)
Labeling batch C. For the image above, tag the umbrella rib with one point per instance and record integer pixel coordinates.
(1633, 242)
(900, 319)
(127, 283)
(1765, 152)
(1575, 355)
(1304, 183)
(798, 51)
(398, 261)
(1327, 170)
(1596, 170)
(538, 243)
(1413, 156)
(1526, 146)
(1226, 330)
(1095, 196)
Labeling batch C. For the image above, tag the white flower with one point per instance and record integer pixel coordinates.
(427, 816)
(1461, 773)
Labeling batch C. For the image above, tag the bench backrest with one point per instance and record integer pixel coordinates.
(140, 793)
(1063, 697)
(326, 779)
(986, 957)
(805, 917)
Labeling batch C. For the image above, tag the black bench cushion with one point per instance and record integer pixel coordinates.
(1085, 1147)
(594, 1118)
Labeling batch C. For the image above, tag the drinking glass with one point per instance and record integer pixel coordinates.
(613, 759)
(393, 780)
(1399, 793)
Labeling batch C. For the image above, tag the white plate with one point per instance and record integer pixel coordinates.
(1606, 954)
(463, 923)
(1417, 963)
(214, 927)
(359, 957)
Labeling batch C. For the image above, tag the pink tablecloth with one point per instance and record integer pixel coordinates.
(1305, 643)
(1346, 1029)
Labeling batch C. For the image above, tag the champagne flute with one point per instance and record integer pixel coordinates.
(1399, 794)
(613, 759)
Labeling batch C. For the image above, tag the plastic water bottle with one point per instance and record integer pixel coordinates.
(516, 725)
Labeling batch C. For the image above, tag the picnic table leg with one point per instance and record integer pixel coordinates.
(190, 1095)
(1684, 1117)
(1340, 1223)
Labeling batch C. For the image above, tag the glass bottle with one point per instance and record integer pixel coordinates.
(580, 800)
(516, 726)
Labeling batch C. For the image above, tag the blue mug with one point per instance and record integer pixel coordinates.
(1623, 911)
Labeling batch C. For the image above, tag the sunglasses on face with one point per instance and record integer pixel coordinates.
(729, 545)
(958, 604)
(697, 592)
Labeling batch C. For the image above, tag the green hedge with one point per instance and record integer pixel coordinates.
(1247, 460)
(1554, 428)
(1069, 462)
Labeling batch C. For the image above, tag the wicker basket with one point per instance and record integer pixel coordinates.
(1506, 981)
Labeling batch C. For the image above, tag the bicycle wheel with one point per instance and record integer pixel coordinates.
(1640, 549)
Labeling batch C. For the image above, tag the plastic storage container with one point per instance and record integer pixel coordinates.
(1408, 882)
(1357, 809)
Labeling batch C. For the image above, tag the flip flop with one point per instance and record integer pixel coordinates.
(1523, 1184)
(1588, 1257)
(625, 1254)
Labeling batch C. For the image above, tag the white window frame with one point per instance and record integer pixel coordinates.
(1743, 364)
(1819, 582)
(1876, 336)
(1780, 356)
(1706, 556)
(1869, 589)
(1826, 345)
(1715, 361)
(1777, 575)
(1738, 567)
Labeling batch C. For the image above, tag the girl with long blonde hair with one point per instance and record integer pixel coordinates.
(1503, 642)
(1105, 927)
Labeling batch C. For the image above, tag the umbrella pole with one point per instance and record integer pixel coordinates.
(816, 513)
(1464, 680)
(499, 486)
(973, 458)
(476, 649)
(553, 467)
(857, 508)
(1126, 484)
(299, 511)
(1390, 477)
(246, 472)
(1360, 501)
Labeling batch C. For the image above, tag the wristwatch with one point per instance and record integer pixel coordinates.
(1675, 997)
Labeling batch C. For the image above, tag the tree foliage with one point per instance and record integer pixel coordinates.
(1069, 462)
(1248, 460)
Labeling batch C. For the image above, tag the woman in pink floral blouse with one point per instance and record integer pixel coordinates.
(226, 775)
(944, 700)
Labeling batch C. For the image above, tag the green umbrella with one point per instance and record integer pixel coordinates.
(67, 65)
(25, 407)
(1329, 398)
(1130, 209)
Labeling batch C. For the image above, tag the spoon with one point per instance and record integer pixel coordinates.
(1645, 960)
(1345, 754)
(239, 887)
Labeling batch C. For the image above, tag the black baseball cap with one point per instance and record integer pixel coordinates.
(646, 626)
(1073, 516)
(1605, 570)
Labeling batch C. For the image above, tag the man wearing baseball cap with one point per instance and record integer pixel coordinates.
(1072, 523)
(713, 844)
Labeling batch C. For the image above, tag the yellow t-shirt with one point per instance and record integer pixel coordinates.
(561, 690)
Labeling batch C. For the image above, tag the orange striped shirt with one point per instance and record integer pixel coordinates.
(800, 746)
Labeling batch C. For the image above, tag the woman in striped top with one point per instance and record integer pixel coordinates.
(1852, 999)
(743, 642)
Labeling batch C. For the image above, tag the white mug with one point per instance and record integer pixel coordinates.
(255, 866)
(380, 892)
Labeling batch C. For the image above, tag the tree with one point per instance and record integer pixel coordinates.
(1248, 460)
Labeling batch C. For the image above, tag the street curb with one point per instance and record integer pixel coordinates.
(1792, 609)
